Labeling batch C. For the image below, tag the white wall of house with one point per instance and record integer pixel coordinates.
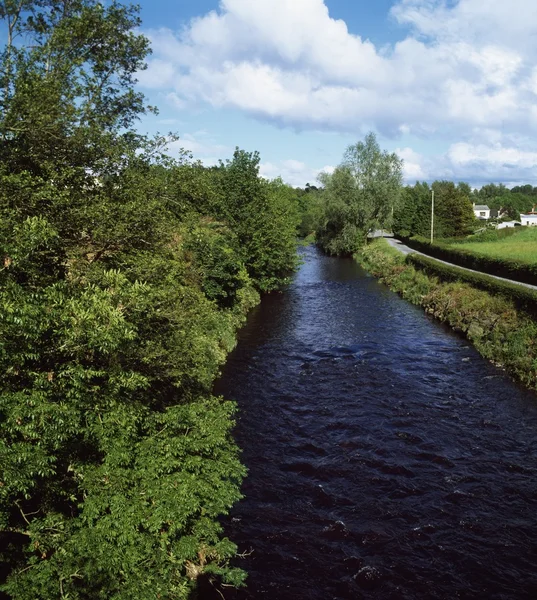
(482, 212)
(506, 224)
(528, 219)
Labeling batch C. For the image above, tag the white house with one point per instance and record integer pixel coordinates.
(529, 219)
(482, 211)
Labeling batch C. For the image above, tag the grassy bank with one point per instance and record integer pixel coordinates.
(472, 253)
(520, 245)
(501, 333)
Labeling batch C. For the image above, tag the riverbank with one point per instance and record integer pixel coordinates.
(501, 333)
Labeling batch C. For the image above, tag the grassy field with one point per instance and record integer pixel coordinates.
(520, 245)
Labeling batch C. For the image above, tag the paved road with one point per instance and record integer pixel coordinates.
(397, 244)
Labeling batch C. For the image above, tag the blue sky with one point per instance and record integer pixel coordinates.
(450, 85)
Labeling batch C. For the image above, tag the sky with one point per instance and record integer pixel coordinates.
(449, 85)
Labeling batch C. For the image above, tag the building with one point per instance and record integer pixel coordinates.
(482, 211)
(506, 224)
(529, 219)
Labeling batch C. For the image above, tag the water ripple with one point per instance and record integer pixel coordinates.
(386, 459)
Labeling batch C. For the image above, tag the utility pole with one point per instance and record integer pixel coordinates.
(432, 215)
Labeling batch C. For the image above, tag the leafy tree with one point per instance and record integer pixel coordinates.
(488, 192)
(119, 302)
(360, 195)
(264, 216)
(70, 87)
(310, 206)
(527, 190)
(465, 188)
(454, 215)
(413, 215)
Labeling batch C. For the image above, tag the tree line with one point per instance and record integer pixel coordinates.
(365, 193)
(124, 275)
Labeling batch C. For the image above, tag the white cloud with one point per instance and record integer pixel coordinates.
(464, 71)
(292, 63)
(475, 163)
(202, 145)
(159, 74)
(293, 172)
(412, 165)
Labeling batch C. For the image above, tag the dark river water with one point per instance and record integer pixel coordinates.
(386, 458)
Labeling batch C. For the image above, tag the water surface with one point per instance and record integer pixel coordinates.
(386, 458)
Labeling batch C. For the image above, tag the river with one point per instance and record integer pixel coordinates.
(386, 458)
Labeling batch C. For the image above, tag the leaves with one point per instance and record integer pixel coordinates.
(124, 277)
(360, 196)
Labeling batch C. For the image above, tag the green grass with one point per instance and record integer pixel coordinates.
(521, 247)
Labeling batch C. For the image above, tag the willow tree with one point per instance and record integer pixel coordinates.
(360, 196)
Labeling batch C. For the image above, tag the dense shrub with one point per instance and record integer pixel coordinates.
(358, 197)
(123, 278)
(524, 298)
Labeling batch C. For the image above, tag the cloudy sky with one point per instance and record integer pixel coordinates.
(450, 85)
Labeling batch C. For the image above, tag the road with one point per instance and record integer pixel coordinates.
(398, 245)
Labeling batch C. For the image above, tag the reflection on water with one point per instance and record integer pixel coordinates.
(386, 458)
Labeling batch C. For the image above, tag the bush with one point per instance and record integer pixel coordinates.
(524, 298)
(488, 319)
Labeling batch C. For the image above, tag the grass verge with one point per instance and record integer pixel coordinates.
(518, 247)
(455, 253)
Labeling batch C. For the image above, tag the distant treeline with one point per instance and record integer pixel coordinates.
(124, 276)
(365, 193)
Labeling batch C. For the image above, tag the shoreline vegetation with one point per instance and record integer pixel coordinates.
(501, 331)
(124, 276)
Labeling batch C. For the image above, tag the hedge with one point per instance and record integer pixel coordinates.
(510, 269)
(524, 298)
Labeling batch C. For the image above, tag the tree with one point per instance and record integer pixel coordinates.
(70, 87)
(454, 215)
(413, 215)
(527, 190)
(264, 216)
(116, 461)
(360, 195)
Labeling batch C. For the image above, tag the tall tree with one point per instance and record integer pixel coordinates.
(265, 217)
(360, 195)
(454, 216)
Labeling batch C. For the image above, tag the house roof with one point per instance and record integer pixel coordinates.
(481, 207)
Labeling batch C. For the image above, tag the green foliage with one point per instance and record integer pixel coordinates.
(123, 277)
(526, 190)
(359, 196)
(509, 203)
(524, 298)
(413, 215)
(453, 213)
(310, 206)
(264, 216)
(217, 259)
